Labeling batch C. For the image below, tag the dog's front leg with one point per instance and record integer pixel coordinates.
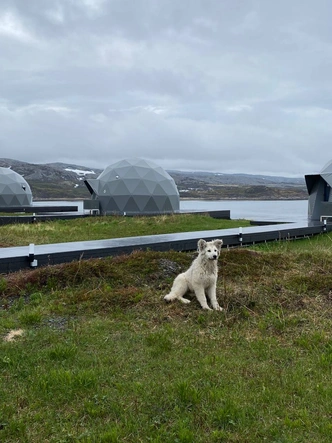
(200, 295)
(212, 294)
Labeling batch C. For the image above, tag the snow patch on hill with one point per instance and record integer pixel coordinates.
(79, 171)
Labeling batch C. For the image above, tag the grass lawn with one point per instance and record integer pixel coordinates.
(99, 357)
(104, 227)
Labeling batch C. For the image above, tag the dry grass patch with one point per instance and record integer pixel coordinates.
(13, 334)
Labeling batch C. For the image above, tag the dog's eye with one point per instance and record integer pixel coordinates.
(209, 250)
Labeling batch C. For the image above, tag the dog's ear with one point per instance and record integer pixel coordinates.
(201, 244)
(218, 243)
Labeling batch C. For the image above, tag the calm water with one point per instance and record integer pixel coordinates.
(273, 210)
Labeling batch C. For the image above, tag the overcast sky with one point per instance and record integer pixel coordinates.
(215, 85)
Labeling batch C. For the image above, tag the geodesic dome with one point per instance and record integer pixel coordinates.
(135, 186)
(14, 190)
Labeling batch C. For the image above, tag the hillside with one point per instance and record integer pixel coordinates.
(211, 186)
(53, 180)
(66, 181)
(90, 352)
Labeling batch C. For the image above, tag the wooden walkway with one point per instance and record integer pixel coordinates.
(22, 257)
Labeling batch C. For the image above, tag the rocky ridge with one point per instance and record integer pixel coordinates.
(66, 181)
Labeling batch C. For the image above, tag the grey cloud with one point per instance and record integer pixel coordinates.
(240, 86)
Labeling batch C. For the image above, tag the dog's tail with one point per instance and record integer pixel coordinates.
(179, 288)
(172, 296)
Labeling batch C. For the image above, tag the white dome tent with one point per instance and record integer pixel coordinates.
(14, 189)
(135, 186)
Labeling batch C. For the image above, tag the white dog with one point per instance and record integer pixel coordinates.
(200, 277)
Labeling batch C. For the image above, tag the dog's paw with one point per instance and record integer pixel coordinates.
(168, 298)
(184, 300)
(218, 308)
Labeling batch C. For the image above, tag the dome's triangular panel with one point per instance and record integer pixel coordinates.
(132, 206)
(151, 206)
(142, 188)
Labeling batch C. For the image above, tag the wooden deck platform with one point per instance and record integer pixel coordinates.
(22, 257)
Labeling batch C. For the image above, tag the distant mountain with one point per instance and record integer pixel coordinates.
(49, 171)
(219, 178)
(81, 171)
(212, 186)
(53, 180)
(66, 181)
